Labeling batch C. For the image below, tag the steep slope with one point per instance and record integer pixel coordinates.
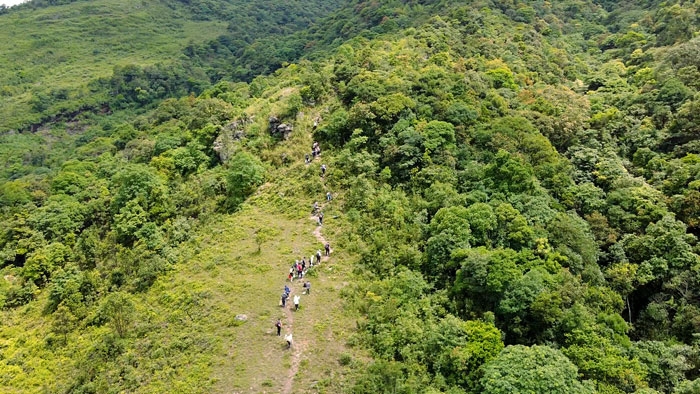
(516, 210)
(180, 334)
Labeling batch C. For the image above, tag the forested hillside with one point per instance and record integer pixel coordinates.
(515, 207)
(61, 58)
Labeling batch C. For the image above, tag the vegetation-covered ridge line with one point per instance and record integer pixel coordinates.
(517, 192)
(134, 56)
(241, 53)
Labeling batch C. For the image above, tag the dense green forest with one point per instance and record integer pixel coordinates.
(516, 196)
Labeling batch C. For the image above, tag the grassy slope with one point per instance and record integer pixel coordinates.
(194, 307)
(67, 46)
(253, 359)
(241, 280)
(186, 338)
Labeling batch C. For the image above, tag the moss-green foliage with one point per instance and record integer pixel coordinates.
(515, 190)
(534, 174)
(246, 173)
(63, 58)
(533, 369)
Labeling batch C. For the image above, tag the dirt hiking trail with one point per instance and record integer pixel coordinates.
(298, 347)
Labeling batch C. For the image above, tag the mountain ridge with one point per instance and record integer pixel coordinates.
(514, 209)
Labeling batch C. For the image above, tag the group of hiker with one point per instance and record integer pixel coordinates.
(315, 152)
(300, 267)
(316, 210)
(297, 298)
(287, 337)
(287, 292)
(298, 270)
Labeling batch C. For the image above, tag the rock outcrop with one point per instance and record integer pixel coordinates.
(279, 129)
(229, 135)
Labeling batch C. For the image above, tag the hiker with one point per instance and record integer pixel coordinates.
(318, 256)
(315, 123)
(307, 286)
(315, 208)
(284, 299)
(303, 265)
(328, 196)
(287, 290)
(320, 219)
(307, 160)
(328, 249)
(291, 274)
(297, 298)
(288, 338)
(279, 327)
(323, 170)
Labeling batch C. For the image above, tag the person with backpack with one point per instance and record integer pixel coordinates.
(328, 249)
(318, 256)
(284, 299)
(279, 327)
(323, 170)
(288, 338)
(320, 219)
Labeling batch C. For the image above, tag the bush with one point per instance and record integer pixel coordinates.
(245, 174)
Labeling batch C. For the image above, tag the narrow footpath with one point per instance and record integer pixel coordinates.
(298, 347)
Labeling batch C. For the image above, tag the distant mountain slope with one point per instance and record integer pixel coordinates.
(52, 53)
